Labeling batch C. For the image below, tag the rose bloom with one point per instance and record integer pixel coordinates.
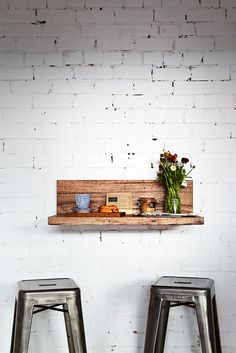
(172, 157)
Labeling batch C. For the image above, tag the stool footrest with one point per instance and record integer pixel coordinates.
(51, 307)
(192, 305)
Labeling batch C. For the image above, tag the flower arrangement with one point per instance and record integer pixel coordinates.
(172, 174)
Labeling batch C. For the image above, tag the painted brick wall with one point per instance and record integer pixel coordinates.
(94, 89)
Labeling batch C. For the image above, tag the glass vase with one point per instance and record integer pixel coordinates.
(172, 202)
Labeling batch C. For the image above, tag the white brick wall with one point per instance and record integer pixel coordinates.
(84, 80)
(210, 73)
(17, 16)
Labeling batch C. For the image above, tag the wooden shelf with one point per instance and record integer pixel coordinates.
(127, 222)
(66, 190)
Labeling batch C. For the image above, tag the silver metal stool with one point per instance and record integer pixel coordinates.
(174, 291)
(34, 296)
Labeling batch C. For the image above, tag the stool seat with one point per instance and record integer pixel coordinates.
(36, 295)
(196, 292)
(184, 283)
(49, 284)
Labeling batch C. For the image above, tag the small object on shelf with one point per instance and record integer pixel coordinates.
(172, 202)
(123, 200)
(79, 210)
(108, 209)
(147, 204)
(172, 175)
(82, 202)
(157, 214)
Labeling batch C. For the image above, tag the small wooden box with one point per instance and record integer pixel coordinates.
(122, 200)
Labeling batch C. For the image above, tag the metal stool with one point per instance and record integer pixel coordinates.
(34, 296)
(174, 291)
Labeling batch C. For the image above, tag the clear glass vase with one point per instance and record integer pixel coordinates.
(172, 202)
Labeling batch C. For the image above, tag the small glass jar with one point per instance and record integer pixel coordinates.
(147, 204)
(172, 202)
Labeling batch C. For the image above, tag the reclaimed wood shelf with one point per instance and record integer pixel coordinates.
(66, 190)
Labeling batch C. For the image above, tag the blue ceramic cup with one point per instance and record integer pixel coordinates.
(82, 201)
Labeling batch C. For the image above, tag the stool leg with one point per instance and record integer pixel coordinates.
(162, 327)
(68, 329)
(205, 319)
(23, 320)
(216, 324)
(75, 324)
(153, 318)
(13, 327)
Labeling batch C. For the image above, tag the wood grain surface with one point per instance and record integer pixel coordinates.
(66, 190)
(95, 214)
(126, 222)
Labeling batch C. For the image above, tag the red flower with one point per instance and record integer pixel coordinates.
(171, 157)
(167, 155)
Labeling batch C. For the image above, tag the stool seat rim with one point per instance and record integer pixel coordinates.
(46, 285)
(188, 283)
